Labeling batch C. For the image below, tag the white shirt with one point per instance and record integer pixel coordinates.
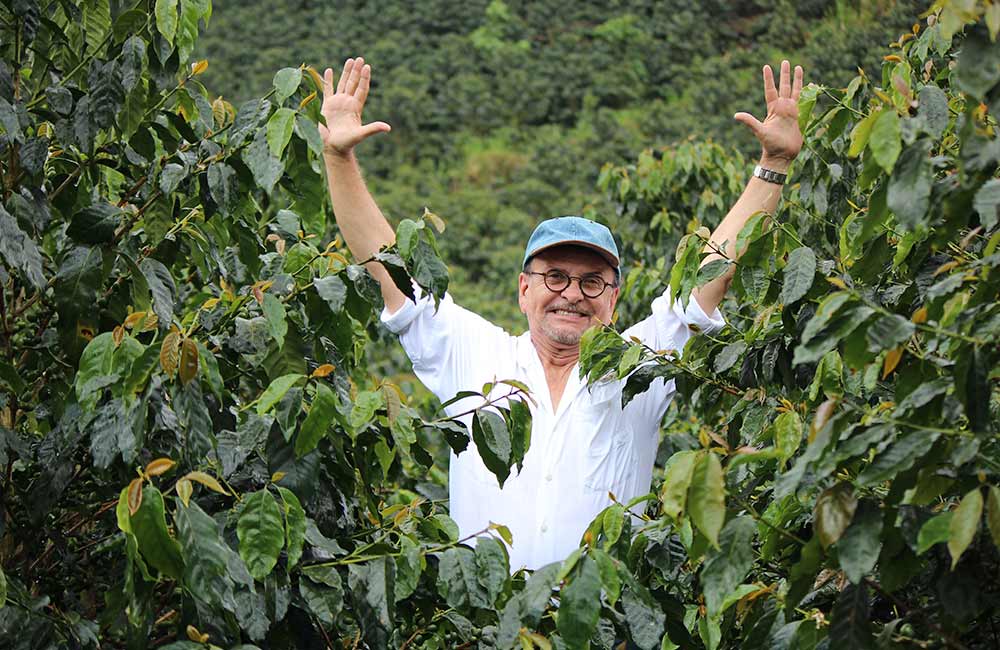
(579, 451)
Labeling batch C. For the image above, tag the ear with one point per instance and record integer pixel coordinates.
(522, 291)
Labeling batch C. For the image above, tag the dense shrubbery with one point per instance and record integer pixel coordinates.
(197, 454)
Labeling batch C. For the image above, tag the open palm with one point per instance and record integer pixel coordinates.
(342, 109)
(779, 133)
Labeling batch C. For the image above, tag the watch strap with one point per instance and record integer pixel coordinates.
(769, 175)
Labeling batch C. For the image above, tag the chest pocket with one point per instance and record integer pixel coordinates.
(607, 436)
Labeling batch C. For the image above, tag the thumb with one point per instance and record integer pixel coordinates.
(375, 128)
(750, 121)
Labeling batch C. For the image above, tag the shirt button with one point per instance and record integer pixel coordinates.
(545, 528)
(548, 477)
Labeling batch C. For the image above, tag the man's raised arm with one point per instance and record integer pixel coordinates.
(362, 224)
(780, 141)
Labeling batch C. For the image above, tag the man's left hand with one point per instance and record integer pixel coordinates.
(779, 133)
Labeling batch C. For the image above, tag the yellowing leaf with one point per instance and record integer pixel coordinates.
(159, 466)
(198, 67)
(132, 319)
(207, 480)
(184, 490)
(189, 361)
(944, 268)
(323, 370)
(195, 635)
(210, 303)
(134, 495)
(892, 358)
(434, 220)
(117, 335)
(307, 100)
(504, 533)
(316, 78)
(964, 524)
(919, 316)
(277, 476)
(170, 353)
(837, 282)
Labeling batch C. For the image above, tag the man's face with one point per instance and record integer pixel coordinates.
(563, 317)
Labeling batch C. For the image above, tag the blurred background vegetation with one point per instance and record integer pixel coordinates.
(504, 112)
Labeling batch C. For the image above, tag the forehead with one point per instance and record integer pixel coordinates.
(572, 259)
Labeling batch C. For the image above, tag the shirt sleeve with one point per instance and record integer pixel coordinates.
(671, 324)
(447, 346)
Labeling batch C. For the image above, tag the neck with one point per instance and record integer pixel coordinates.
(555, 356)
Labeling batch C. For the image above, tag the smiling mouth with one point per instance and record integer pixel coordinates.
(569, 313)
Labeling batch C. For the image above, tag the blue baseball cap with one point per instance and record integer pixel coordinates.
(574, 231)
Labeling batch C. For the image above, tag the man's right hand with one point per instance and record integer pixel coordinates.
(342, 109)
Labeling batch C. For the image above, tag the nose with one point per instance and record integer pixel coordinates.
(573, 292)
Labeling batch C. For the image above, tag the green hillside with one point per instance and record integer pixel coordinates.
(503, 113)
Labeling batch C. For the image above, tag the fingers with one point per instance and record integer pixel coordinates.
(345, 75)
(355, 78)
(750, 121)
(327, 83)
(785, 85)
(797, 83)
(770, 92)
(364, 84)
(374, 128)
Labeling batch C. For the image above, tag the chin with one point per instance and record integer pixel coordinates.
(562, 336)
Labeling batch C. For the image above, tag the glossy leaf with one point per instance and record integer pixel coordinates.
(964, 524)
(260, 532)
(707, 497)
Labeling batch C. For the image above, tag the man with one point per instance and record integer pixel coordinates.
(583, 444)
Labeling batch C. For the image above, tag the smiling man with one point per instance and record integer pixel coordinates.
(583, 443)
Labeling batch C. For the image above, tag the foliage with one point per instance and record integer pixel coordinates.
(197, 453)
(851, 405)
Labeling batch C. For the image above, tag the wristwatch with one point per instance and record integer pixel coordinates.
(769, 175)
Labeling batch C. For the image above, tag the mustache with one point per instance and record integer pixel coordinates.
(569, 306)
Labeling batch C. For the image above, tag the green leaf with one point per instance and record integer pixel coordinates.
(886, 139)
(613, 522)
(898, 457)
(149, 525)
(833, 512)
(934, 531)
(266, 168)
(372, 588)
(644, 616)
(332, 290)
(171, 177)
(317, 423)
(580, 605)
(274, 312)
(205, 555)
(161, 285)
(707, 497)
(489, 432)
(492, 567)
(726, 568)
(187, 33)
(729, 355)
(324, 601)
(94, 224)
(166, 19)
(677, 478)
(976, 71)
(799, 272)
(407, 236)
(457, 581)
(518, 419)
(932, 114)
(222, 183)
(295, 525)
(279, 130)
(888, 332)
(964, 524)
(993, 513)
(987, 202)
(210, 365)
(94, 373)
(861, 133)
(858, 548)
(850, 626)
(3, 588)
(275, 391)
(19, 251)
(910, 185)
(787, 435)
(260, 532)
(366, 403)
(286, 82)
(610, 580)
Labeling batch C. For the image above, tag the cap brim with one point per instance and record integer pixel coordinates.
(606, 254)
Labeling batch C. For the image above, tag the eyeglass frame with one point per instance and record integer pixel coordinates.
(569, 281)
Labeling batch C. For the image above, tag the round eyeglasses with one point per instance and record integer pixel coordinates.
(591, 286)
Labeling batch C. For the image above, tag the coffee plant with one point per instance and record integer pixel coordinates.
(196, 452)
